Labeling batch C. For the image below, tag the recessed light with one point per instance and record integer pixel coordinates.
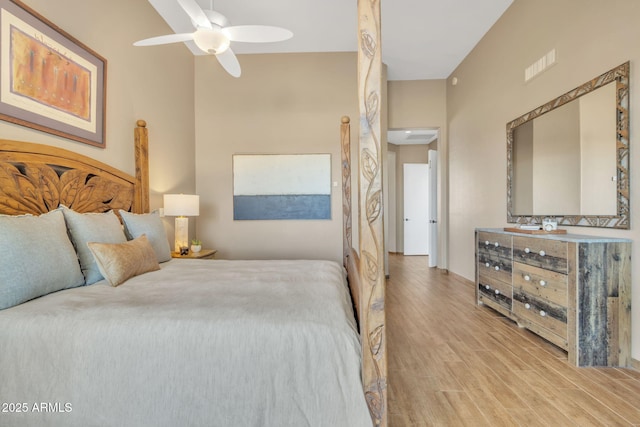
(407, 131)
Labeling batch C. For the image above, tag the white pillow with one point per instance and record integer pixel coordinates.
(92, 227)
(36, 258)
(135, 225)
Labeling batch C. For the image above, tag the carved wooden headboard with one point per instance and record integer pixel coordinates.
(36, 178)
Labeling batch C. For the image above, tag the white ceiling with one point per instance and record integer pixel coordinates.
(421, 39)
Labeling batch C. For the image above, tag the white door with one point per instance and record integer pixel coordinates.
(433, 208)
(416, 208)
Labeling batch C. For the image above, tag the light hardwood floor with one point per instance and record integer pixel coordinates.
(452, 363)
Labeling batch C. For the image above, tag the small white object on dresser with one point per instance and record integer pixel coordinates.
(549, 224)
(572, 290)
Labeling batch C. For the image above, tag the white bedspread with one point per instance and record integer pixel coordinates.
(198, 343)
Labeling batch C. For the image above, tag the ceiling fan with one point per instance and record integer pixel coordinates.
(214, 35)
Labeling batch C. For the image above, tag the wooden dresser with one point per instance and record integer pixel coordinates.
(574, 291)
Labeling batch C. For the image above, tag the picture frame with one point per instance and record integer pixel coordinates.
(50, 81)
(281, 187)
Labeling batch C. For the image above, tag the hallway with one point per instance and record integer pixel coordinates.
(452, 363)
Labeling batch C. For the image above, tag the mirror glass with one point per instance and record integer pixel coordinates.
(568, 159)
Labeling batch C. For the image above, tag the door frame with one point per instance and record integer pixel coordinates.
(442, 190)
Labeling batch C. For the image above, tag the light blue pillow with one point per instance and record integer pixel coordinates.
(36, 258)
(92, 227)
(135, 225)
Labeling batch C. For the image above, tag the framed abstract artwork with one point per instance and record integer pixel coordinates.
(49, 81)
(281, 186)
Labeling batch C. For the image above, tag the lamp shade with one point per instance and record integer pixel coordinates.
(181, 205)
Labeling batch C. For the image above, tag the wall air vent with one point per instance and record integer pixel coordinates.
(540, 65)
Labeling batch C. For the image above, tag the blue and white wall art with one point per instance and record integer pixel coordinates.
(281, 186)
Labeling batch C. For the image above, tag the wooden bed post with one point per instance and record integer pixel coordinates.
(372, 326)
(141, 197)
(345, 143)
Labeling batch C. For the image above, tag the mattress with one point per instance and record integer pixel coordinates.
(197, 343)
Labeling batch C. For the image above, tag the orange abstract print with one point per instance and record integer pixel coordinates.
(44, 75)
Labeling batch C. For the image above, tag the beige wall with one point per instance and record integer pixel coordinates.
(591, 36)
(420, 104)
(417, 104)
(286, 104)
(154, 84)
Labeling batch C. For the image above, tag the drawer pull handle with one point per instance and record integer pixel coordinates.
(543, 313)
(527, 306)
(486, 243)
(486, 264)
(497, 292)
(496, 244)
(497, 267)
(543, 283)
(487, 287)
(527, 250)
(542, 253)
(527, 277)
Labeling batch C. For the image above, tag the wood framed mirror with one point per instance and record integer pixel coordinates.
(569, 158)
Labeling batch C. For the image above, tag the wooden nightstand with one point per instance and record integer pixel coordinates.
(203, 254)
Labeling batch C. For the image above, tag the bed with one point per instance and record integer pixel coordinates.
(168, 348)
(263, 344)
(248, 343)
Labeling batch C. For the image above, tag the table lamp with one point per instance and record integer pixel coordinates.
(181, 206)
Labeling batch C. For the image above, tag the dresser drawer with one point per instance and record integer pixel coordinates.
(494, 244)
(544, 284)
(544, 328)
(495, 267)
(495, 287)
(543, 253)
(493, 296)
(546, 314)
(495, 290)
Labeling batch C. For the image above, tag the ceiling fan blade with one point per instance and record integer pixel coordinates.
(229, 62)
(170, 38)
(257, 33)
(195, 13)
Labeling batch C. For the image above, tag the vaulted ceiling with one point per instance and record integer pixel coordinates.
(421, 39)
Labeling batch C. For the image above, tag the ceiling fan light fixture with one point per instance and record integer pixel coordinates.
(213, 35)
(211, 40)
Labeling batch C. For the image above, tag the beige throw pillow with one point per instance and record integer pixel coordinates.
(119, 262)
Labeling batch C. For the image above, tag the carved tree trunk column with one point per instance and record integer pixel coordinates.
(345, 144)
(372, 322)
